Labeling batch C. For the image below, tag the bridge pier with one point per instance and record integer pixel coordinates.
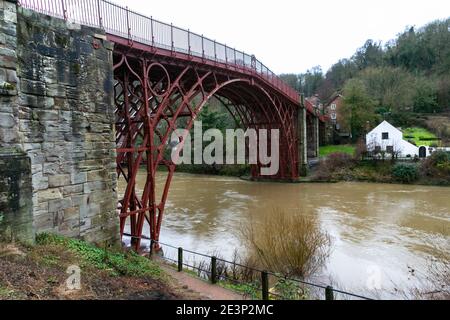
(56, 93)
(312, 128)
(316, 136)
(303, 141)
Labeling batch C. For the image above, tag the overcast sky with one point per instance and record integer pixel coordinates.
(291, 36)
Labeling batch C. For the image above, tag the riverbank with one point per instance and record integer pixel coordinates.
(54, 267)
(338, 167)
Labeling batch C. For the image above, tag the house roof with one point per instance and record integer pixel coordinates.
(385, 123)
(333, 98)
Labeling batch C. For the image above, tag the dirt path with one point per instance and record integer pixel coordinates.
(196, 289)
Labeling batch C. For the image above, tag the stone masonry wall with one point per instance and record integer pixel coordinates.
(64, 121)
(16, 218)
(9, 109)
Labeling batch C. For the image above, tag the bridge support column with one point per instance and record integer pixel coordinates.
(57, 139)
(317, 135)
(303, 143)
(16, 219)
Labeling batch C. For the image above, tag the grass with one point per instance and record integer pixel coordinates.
(6, 293)
(115, 262)
(420, 136)
(246, 289)
(327, 150)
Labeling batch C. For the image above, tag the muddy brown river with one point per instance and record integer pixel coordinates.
(383, 236)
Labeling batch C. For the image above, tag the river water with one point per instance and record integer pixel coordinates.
(379, 232)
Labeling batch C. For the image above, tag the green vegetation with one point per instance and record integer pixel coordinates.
(358, 108)
(115, 262)
(246, 289)
(327, 150)
(420, 136)
(397, 81)
(342, 167)
(405, 173)
(6, 293)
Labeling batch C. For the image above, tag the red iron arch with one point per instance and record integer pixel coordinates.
(152, 98)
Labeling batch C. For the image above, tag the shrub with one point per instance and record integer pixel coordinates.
(437, 166)
(298, 247)
(338, 160)
(333, 165)
(360, 150)
(405, 173)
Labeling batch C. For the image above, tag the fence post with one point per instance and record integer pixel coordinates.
(100, 19)
(152, 244)
(265, 285)
(171, 37)
(203, 47)
(213, 270)
(329, 293)
(63, 5)
(180, 259)
(226, 55)
(153, 35)
(189, 42)
(128, 24)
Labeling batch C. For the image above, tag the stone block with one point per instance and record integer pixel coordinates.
(43, 223)
(94, 186)
(47, 115)
(73, 190)
(59, 180)
(49, 194)
(8, 136)
(55, 90)
(72, 213)
(3, 76)
(11, 76)
(78, 178)
(7, 120)
(51, 168)
(40, 182)
(59, 204)
(32, 87)
(97, 175)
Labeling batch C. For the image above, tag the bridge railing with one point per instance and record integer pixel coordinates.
(122, 22)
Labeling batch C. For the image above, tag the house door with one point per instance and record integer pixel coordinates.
(422, 152)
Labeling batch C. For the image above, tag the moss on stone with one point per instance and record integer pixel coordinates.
(9, 86)
(75, 68)
(61, 40)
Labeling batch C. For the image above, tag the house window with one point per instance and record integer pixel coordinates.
(333, 106)
(390, 149)
(377, 149)
(385, 135)
(333, 116)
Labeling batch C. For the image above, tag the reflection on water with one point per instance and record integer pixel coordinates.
(373, 226)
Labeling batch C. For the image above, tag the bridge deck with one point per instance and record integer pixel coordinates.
(124, 25)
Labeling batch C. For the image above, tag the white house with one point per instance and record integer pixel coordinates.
(387, 138)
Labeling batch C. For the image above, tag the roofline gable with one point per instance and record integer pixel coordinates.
(390, 125)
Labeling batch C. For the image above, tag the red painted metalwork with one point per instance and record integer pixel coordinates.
(164, 77)
(157, 94)
(127, 25)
